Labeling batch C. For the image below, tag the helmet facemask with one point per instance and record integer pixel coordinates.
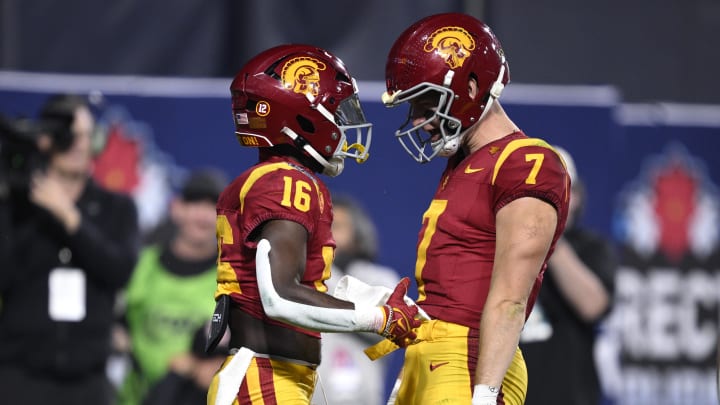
(414, 138)
(348, 118)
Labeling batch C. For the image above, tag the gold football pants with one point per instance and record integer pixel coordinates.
(441, 368)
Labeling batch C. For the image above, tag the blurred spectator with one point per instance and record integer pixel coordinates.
(68, 248)
(189, 375)
(558, 339)
(170, 293)
(347, 376)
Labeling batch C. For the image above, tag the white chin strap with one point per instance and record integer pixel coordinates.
(495, 91)
(332, 167)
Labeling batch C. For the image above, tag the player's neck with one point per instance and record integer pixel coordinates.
(495, 125)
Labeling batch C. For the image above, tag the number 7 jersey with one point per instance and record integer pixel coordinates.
(456, 244)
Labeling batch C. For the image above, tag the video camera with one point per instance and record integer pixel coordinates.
(20, 151)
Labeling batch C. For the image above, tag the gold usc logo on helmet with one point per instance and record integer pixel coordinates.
(454, 44)
(302, 75)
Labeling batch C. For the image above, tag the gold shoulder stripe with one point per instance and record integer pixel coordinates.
(255, 176)
(512, 147)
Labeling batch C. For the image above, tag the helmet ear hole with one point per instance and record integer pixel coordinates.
(305, 124)
(342, 78)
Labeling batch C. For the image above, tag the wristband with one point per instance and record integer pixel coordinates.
(485, 395)
(388, 322)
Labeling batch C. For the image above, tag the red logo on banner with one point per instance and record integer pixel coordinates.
(675, 202)
(116, 167)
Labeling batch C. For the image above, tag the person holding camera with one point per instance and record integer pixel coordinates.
(68, 246)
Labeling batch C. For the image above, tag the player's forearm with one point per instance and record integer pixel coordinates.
(500, 328)
(305, 315)
(316, 317)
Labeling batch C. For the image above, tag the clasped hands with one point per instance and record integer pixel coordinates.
(400, 318)
(400, 315)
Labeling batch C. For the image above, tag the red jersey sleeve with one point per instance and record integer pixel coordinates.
(530, 167)
(279, 191)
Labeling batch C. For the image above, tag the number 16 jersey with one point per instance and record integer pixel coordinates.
(276, 189)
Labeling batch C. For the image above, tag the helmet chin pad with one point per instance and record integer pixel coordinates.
(334, 166)
(450, 147)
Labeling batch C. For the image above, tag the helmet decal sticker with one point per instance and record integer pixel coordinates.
(258, 123)
(248, 140)
(241, 118)
(454, 44)
(262, 108)
(302, 75)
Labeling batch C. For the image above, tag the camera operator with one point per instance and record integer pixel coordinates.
(68, 247)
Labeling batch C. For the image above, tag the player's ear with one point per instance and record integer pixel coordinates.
(472, 88)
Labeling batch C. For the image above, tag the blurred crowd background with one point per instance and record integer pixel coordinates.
(629, 88)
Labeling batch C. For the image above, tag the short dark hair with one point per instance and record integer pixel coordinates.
(57, 116)
(203, 184)
(365, 237)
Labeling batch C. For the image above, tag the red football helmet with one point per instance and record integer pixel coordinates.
(435, 58)
(302, 96)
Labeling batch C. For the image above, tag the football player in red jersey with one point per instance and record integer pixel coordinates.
(499, 209)
(298, 104)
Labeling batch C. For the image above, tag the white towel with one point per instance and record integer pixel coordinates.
(362, 294)
(231, 376)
